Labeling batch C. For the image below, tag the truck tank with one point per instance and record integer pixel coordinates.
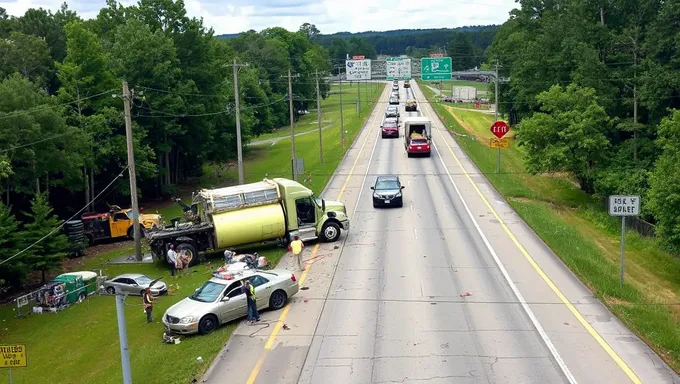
(249, 225)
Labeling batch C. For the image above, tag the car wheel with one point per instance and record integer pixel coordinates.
(207, 324)
(111, 290)
(375, 205)
(330, 232)
(277, 300)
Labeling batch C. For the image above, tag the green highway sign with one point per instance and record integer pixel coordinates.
(435, 68)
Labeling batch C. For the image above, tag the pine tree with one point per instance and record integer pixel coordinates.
(13, 272)
(48, 253)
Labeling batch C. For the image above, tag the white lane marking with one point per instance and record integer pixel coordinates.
(411, 205)
(415, 233)
(512, 285)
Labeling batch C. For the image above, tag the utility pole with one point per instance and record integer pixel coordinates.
(122, 336)
(359, 96)
(498, 160)
(342, 124)
(292, 124)
(239, 147)
(318, 116)
(127, 100)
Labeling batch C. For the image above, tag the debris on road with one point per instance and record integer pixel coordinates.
(466, 294)
(286, 327)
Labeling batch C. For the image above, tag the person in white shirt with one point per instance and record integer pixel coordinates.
(172, 259)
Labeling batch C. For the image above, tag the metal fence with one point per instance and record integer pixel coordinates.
(30, 302)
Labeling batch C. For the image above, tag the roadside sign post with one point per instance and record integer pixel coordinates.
(623, 206)
(499, 129)
(13, 356)
(435, 68)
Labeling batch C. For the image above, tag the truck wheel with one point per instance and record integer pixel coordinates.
(330, 232)
(191, 250)
(207, 324)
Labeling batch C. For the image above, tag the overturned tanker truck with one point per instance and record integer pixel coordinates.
(272, 210)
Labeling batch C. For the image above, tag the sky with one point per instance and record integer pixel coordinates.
(329, 16)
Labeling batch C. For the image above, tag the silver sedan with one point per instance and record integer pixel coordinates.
(220, 300)
(134, 284)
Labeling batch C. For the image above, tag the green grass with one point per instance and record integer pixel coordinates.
(580, 232)
(80, 344)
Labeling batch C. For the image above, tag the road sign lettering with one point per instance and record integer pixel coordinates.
(358, 69)
(398, 68)
(500, 129)
(624, 205)
(12, 356)
(358, 57)
(436, 55)
(499, 143)
(435, 68)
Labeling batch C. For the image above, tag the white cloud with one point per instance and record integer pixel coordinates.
(328, 15)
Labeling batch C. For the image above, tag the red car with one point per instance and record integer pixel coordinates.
(390, 128)
(418, 146)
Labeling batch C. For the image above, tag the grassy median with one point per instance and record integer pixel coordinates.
(80, 344)
(580, 232)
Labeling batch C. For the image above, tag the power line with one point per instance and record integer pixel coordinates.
(69, 219)
(47, 108)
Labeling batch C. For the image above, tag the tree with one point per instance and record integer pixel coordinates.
(462, 52)
(664, 192)
(567, 135)
(310, 30)
(13, 272)
(25, 54)
(48, 251)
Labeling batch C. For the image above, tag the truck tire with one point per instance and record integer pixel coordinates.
(191, 250)
(330, 232)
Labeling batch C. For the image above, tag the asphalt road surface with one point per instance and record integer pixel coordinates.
(451, 288)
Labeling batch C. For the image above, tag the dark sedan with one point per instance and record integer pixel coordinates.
(387, 191)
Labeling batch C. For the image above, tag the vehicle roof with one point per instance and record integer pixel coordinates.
(387, 177)
(417, 119)
(390, 119)
(238, 189)
(411, 101)
(246, 273)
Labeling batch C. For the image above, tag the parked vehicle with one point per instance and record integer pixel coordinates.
(65, 290)
(115, 224)
(390, 127)
(89, 280)
(411, 105)
(417, 136)
(220, 300)
(273, 210)
(134, 284)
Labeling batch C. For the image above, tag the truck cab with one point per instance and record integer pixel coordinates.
(117, 223)
(310, 216)
(417, 136)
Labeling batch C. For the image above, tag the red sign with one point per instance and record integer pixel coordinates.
(361, 57)
(500, 129)
(436, 55)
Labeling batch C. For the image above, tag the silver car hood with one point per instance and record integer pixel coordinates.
(189, 307)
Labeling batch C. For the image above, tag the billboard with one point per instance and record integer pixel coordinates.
(358, 69)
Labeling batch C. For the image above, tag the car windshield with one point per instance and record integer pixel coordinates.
(129, 215)
(317, 200)
(390, 124)
(208, 293)
(386, 184)
(418, 141)
(141, 280)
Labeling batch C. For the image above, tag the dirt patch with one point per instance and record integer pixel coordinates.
(465, 125)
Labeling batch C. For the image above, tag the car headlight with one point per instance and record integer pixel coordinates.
(187, 320)
(398, 194)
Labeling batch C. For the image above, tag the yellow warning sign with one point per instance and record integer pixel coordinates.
(499, 143)
(13, 356)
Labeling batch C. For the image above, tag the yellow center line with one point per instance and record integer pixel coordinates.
(589, 328)
(284, 314)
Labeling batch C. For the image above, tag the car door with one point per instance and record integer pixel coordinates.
(120, 225)
(236, 306)
(263, 290)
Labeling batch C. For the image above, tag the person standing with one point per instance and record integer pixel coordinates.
(172, 259)
(296, 247)
(251, 300)
(147, 299)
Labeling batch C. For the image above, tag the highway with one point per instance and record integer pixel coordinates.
(451, 288)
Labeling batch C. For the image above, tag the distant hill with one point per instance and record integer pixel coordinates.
(413, 42)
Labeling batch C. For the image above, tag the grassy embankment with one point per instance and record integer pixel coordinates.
(581, 233)
(447, 86)
(80, 344)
